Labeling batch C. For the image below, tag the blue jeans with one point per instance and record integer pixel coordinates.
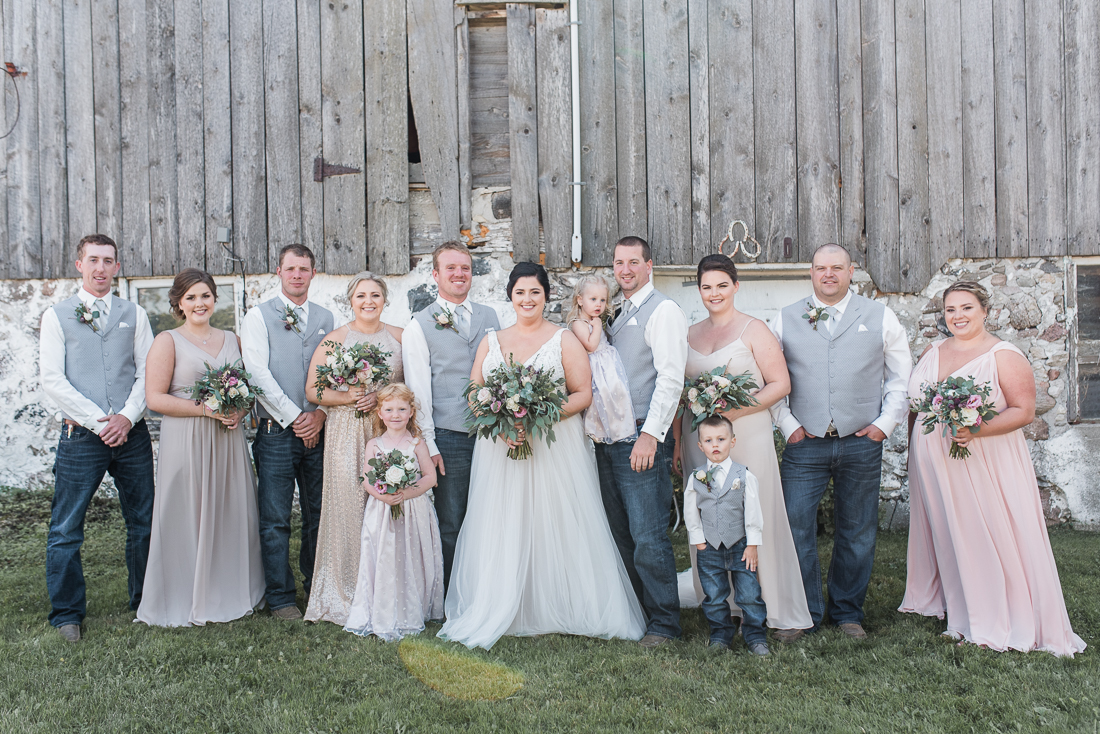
(281, 460)
(82, 460)
(714, 566)
(637, 506)
(854, 463)
(452, 491)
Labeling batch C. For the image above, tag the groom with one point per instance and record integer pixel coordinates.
(849, 361)
(438, 350)
(278, 339)
(650, 333)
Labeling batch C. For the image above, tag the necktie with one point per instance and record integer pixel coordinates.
(833, 318)
(462, 319)
(100, 306)
(628, 307)
(719, 477)
(301, 318)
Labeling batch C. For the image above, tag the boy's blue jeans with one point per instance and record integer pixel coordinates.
(713, 565)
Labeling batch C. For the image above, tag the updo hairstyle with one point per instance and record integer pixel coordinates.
(369, 276)
(529, 270)
(184, 281)
(719, 263)
(973, 288)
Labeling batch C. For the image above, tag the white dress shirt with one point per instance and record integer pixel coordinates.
(666, 335)
(256, 351)
(754, 516)
(899, 363)
(51, 363)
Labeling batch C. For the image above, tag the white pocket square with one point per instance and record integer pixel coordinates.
(632, 322)
(123, 325)
(320, 331)
(861, 328)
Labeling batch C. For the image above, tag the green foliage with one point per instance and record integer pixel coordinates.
(514, 396)
(716, 392)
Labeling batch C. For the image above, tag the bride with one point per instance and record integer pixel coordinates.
(535, 554)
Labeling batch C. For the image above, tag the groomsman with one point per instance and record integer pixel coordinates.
(849, 362)
(278, 339)
(650, 333)
(438, 349)
(92, 360)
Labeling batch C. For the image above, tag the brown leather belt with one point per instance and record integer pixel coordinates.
(831, 433)
(72, 423)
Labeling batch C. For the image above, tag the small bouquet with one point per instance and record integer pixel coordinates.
(390, 473)
(717, 391)
(346, 366)
(957, 402)
(515, 397)
(225, 389)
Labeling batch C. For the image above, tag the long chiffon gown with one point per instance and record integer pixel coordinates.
(535, 554)
(778, 571)
(204, 554)
(978, 544)
(343, 500)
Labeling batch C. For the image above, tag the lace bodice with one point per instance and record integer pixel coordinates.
(547, 357)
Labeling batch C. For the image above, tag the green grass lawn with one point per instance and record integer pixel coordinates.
(262, 675)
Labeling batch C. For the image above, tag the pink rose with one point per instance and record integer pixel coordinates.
(975, 401)
(521, 412)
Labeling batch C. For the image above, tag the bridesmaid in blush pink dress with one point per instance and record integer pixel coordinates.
(978, 545)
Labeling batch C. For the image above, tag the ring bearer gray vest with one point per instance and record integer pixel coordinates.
(835, 378)
(722, 509)
(100, 364)
(290, 351)
(627, 335)
(452, 358)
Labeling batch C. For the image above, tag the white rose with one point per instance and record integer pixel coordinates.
(394, 475)
(484, 395)
(722, 382)
(511, 405)
(443, 318)
(711, 391)
(410, 466)
(212, 403)
(696, 408)
(243, 391)
(969, 416)
(331, 361)
(233, 392)
(693, 394)
(701, 476)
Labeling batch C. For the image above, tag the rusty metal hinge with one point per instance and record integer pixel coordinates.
(322, 169)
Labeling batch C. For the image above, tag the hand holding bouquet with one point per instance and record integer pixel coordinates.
(717, 391)
(956, 403)
(360, 364)
(390, 473)
(515, 402)
(225, 390)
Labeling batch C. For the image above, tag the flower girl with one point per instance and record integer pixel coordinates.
(400, 582)
(610, 418)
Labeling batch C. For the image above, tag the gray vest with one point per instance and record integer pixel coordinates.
(627, 335)
(722, 510)
(290, 351)
(835, 378)
(452, 358)
(100, 364)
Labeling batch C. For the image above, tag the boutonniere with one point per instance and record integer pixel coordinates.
(705, 477)
(87, 316)
(445, 319)
(291, 319)
(814, 315)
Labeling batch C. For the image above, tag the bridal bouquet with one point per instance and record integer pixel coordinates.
(717, 391)
(957, 403)
(390, 473)
(225, 389)
(346, 366)
(515, 397)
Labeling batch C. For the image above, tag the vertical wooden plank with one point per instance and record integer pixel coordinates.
(7, 97)
(668, 117)
(1046, 128)
(1010, 122)
(599, 162)
(246, 69)
(630, 119)
(818, 120)
(555, 134)
(344, 138)
(309, 129)
(462, 79)
(163, 192)
(850, 99)
(24, 214)
(385, 72)
(774, 121)
(217, 126)
(133, 53)
(108, 121)
(979, 146)
(282, 155)
(80, 129)
(190, 176)
(732, 139)
(699, 96)
(52, 170)
(912, 144)
(945, 144)
(1082, 19)
(880, 144)
(432, 75)
(523, 132)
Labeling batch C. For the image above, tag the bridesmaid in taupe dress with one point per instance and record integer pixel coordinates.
(343, 499)
(204, 555)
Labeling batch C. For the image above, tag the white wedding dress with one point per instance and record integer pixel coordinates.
(535, 554)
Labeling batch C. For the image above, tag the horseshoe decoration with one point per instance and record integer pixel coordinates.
(741, 244)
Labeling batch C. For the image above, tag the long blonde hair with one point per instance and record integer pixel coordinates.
(400, 391)
(578, 293)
